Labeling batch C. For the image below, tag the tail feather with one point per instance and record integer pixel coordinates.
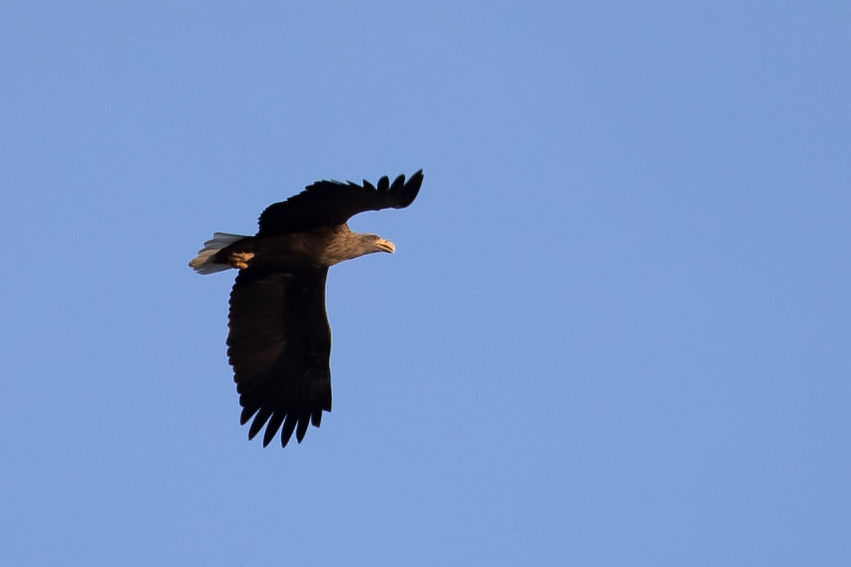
(203, 263)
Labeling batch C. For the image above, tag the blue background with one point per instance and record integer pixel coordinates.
(615, 331)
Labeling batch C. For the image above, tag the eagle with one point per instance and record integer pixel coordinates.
(279, 342)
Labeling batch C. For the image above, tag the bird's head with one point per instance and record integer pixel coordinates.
(377, 244)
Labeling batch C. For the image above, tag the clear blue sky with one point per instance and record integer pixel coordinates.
(616, 331)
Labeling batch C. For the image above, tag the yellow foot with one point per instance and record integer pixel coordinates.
(240, 259)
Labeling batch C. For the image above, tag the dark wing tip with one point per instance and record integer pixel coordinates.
(272, 428)
(292, 423)
(246, 414)
(289, 427)
(383, 184)
(259, 421)
(403, 194)
(303, 422)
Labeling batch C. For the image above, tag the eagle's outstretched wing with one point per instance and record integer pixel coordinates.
(331, 203)
(280, 346)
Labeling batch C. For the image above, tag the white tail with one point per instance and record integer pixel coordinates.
(203, 263)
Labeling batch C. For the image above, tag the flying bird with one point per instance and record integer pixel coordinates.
(279, 343)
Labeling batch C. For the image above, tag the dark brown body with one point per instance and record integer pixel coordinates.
(318, 248)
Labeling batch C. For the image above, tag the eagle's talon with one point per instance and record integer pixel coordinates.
(240, 259)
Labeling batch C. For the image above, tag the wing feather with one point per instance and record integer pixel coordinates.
(332, 203)
(280, 346)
